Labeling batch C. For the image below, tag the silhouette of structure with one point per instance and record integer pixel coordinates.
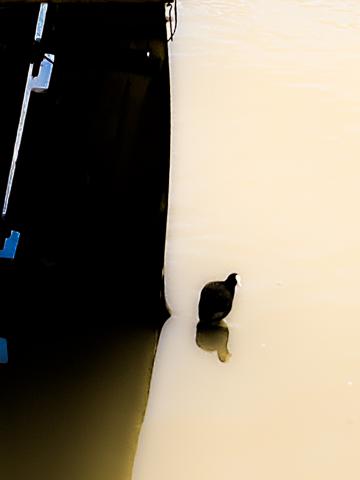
(79, 305)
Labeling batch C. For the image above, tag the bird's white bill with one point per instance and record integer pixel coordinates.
(238, 281)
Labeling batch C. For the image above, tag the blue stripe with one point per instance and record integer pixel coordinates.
(3, 351)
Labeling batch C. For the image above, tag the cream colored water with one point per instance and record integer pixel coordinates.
(265, 182)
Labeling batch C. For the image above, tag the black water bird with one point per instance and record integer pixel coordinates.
(216, 299)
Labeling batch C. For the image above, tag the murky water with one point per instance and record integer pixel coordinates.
(265, 182)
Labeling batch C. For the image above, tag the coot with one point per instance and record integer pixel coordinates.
(216, 299)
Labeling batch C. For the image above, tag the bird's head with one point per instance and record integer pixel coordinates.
(235, 279)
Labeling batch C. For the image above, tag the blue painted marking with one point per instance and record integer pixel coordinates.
(3, 351)
(10, 245)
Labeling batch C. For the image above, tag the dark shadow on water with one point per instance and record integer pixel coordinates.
(214, 338)
(72, 406)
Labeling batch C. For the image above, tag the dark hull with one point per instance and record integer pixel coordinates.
(78, 302)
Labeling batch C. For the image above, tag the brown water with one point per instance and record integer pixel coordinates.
(265, 182)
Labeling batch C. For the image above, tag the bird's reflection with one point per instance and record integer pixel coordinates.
(214, 337)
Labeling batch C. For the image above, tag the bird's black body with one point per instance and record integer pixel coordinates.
(216, 300)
